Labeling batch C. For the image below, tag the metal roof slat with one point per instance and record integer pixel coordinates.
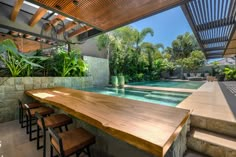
(232, 4)
(194, 14)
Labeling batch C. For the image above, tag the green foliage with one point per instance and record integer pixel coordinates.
(230, 73)
(16, 63)
(130, 55)
(69, 64)
(182, 46)
(195, 61)
(216, 70)
(62, 63)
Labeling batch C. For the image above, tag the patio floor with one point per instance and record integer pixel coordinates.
(14, 142)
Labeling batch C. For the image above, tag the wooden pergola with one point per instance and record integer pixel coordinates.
(212, 21)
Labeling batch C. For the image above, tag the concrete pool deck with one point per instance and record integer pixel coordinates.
(209, 101)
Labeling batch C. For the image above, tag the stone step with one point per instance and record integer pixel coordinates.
(212, 144)
(190, 153)
(174, 94)
(214, 125)
(164, 98)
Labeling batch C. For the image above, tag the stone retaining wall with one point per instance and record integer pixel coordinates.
(12, 89)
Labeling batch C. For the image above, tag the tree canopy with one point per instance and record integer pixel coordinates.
(129, 54)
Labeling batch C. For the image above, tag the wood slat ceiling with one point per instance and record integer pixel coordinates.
(24, 45)
(108, 14)
(213, 23)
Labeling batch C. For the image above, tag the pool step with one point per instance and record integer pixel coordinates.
(163, 98)
(136, 92)
(214, 125)
(174, 94)
(210, 143)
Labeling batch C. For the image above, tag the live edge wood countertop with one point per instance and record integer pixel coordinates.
(148, 126)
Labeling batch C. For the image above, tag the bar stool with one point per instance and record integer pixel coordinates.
(53, 121)
(30, 116)
(70, 142)
(22, 109)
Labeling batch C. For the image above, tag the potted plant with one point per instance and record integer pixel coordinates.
(114, 81)
(121, 80)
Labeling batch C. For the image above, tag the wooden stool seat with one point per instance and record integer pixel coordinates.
(73, 140)
(32, 105)
(41, 110)
(22, 109)
(55, 121)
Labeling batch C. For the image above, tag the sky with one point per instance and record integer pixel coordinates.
(166, 26)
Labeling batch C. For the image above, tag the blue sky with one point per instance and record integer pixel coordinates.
(166, 25)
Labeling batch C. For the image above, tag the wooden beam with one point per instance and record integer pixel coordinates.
(69, 26)
(16, 9)
(80, 31)
(55, 21)
(37, 16)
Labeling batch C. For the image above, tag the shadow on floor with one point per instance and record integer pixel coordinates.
(230, 97)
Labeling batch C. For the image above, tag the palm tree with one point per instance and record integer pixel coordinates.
(151, 49)
(183, 45)
(140, 36)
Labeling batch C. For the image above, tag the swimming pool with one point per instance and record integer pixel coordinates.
(157, 97)
(171, 84)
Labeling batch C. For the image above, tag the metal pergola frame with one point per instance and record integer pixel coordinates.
(213, 24)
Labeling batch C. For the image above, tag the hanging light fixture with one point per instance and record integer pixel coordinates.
(76, 2)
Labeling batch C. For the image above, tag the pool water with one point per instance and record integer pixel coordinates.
(157, 97)
(171, 84)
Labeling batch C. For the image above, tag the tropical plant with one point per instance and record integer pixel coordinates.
(181, 48)
(230, 73)
(159, 67)
(216, 70)
(152, 52)
(69, 64)
(183, 45)
(195, 61)
(15, 62)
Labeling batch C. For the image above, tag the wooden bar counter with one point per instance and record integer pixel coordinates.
(148, 126)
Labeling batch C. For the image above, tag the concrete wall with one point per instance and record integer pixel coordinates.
(12, 89)
(89, 48)
(98, 69)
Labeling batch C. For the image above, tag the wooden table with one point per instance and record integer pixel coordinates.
(148, 126)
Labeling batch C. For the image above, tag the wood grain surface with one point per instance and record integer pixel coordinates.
(148, 126)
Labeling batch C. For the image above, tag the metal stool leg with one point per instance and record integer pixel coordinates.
(51, 151)
(27, 124)
(44, 142)
(38, 131)
(88, 151)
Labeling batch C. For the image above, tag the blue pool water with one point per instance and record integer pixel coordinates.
(171, 84)
(157, 97)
